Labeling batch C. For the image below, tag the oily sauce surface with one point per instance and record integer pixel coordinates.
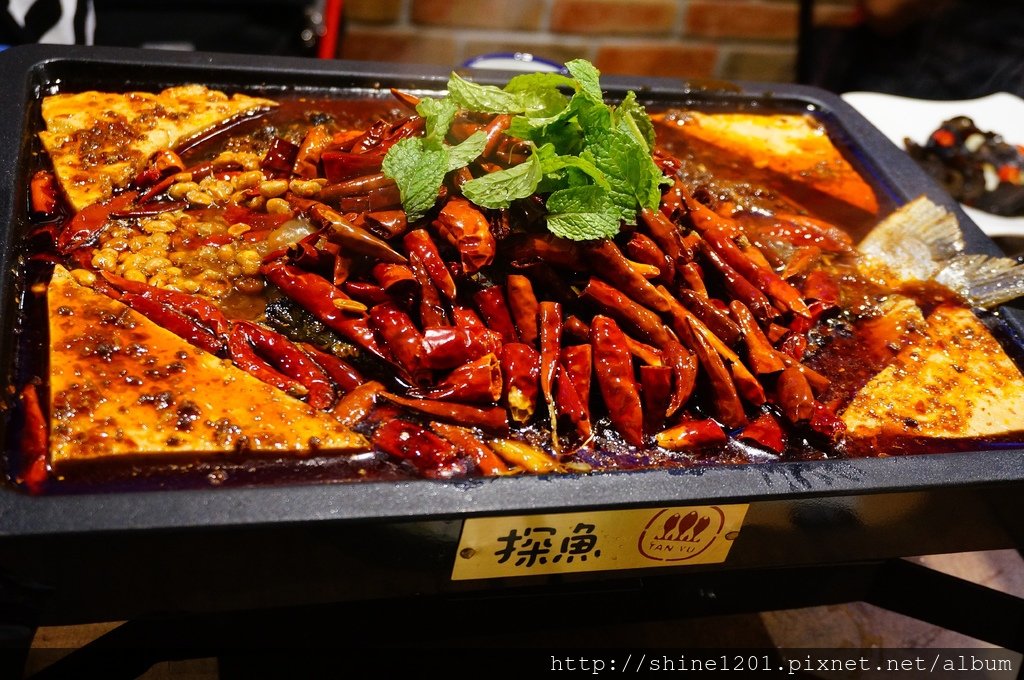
(846, 344)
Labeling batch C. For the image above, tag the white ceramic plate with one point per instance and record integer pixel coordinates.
(902, 117)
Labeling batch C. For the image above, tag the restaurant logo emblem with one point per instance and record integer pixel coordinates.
(673, 537)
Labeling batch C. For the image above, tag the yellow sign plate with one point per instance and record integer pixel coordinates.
(531, 545)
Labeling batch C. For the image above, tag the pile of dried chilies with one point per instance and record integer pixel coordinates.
(448, 284)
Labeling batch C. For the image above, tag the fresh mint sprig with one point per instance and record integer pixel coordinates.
(591, 160)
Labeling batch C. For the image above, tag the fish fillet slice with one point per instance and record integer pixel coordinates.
(796, 146)
(955, 383)
(922, 241)
(122, 387)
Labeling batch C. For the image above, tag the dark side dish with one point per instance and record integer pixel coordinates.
(977, 168)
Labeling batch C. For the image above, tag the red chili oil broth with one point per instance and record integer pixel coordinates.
(834, 352)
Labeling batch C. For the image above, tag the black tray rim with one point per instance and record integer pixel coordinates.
(23, 515)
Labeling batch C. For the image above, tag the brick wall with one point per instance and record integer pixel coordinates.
(730, 39)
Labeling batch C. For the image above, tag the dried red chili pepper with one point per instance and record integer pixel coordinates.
(34, 438)
(354, 407)
(547, 248)
(472, 447)
(714, 318)
(606, 258)
(275, 360)
(354, 238)
(526, 456)
(43, 193)
(643, 249)
(475, 382)
(793, 344)
(343, 374)
(419, 245)
(652, 356)
(684, 369)
(615, 303)
(616, 380)
(280, 158)
(821, 286)
(765, 280)
(361, 195)
(763, 357)
(431, 308)
(494, 131)
(464, 316)
(665, 234)
(317, 296)
(575, 327)
(520, 366)
(524, 306)
(388, 224)
(727, 399)
(578, 361)
(691, 434)
(307, 158)
(367, 293)
(403, 340)
(340, 166)
(694, 277)
(794, 396)
(569, 403)
(491, 418)
(185, 327)
(765, 431)
(397, 280)
(656, 389)
(550, 319)
(739, 287)
(86, 225)
(446, 347)
(467, 230)
(428, 453)
(195, 307)
(494, 310)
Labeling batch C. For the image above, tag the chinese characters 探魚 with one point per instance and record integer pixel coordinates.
(536, 545)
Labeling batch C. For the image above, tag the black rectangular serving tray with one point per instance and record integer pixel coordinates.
(104, 556)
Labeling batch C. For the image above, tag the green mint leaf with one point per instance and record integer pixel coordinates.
(539, 81)
(545, 152)
(559, 130)
(562, 130)
(499, 189)
(587, 77)
(438, 114)
(418, 172)
(553, 177)
(543, 103)
(593, 160)
(635, 179)
(582, 214)
(466, 151)
(483, 98)
(553, 165)
(593, 117)
(631, 117)
(567, 178)
(522, 127)
(564, 136)
(540, 96)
